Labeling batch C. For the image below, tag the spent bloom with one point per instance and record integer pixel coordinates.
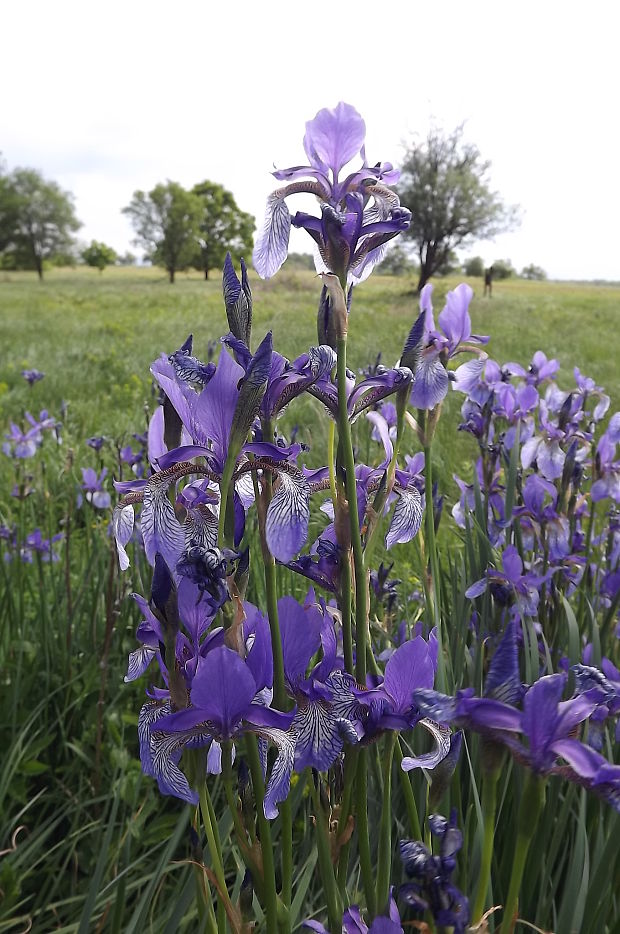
(359, 213)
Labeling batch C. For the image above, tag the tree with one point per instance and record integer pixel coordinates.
(503, 269)
(474, 266)
(224, 228)
(37, 219)
(98, 255)
(533, 272)
(127, 259)
(445, 186)
(166, 221)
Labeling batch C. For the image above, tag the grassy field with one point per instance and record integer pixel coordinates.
(94, 335)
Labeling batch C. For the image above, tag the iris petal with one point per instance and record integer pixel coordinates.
(286, 526)
(271, 246)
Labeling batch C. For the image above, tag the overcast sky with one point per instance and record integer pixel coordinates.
(109, 98)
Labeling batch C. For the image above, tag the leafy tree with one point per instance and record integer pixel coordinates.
(37, 219)
(474, 266)
(98, 255)
(397, 262)
(223, 228)
(166, 221)
(503, 269)
(444, 184)
(127, 259)
(533, 272)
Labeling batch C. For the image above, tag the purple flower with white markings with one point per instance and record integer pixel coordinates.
(93, 488)
(431, 379)
(353, 923)
(25, 444)
(359, 213)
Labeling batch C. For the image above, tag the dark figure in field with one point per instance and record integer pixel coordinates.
(488, 282)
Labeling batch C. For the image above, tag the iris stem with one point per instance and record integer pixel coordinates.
(489, 804)
(215, 849)
(363, 838)
(350, 762)
(431, 548)
(346, 446)
(405, 781)
(326, 867)
(532, 801)
(384, 856)
(266, 844)
(279, 684)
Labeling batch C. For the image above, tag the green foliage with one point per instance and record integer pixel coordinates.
(127, 259)
(533, 272)
(99, 255)
(397, 262)
(474, 266)
(167, 224)
(37, 220)
(223, 228)
(444, 183)
(299, 261)
(503, 269)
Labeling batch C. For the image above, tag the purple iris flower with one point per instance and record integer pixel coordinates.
(32, 376)
(541, 369)
(431, 379)
(188, 368)
(607, 468)
(431, 888)
(93, 488)
(225, 704)
(327, 710)
(359, 214)
(363, 395)
(607, 680)
(216, 422)
(353, 923)
(24, 444)
(34, 543)
(96, 442)
(539, 514)
(524, 587)
(322, 564)
(495, 494)
(391, 706)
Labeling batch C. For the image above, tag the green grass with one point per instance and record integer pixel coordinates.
(94, 335)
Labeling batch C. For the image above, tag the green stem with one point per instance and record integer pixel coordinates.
(215, 849)
(410, 805)
(431, 547)
(346, 445)
(384, 856)
(258, 784)
(350, 761)
(489, 804)
(363, 838)
(222, 531)
(532, 801)
(326, 867)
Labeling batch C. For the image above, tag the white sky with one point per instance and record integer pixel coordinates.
(108, 98)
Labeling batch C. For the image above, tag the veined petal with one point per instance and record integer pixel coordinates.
(122, 527)
(160, 527)
(430, 382)
(429, 760)
(139, 661)
(334, 137)
(271, 247)
(286, 525)
(407, 517)
(280, 779)
(319, 736)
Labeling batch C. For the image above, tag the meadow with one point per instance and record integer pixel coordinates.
(87, 843)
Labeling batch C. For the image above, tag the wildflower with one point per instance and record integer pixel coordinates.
(359, 214)
(32, 376)
(353, 923)
(92, 485)
(96, 442)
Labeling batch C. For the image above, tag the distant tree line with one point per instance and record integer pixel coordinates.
(177, 228)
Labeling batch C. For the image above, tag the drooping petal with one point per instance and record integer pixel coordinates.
(280, 778)
(271, 248)
(160, 753)
(122, 528)
(160, 527)
(407, 517)
(286, 525)
(550, 459)
(430, 760)
(583, 759)
(430, 382)
(319, 736)
(222, 689)
(139, 661)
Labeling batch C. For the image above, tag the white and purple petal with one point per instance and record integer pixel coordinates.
(286, 525)
(271, 248)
